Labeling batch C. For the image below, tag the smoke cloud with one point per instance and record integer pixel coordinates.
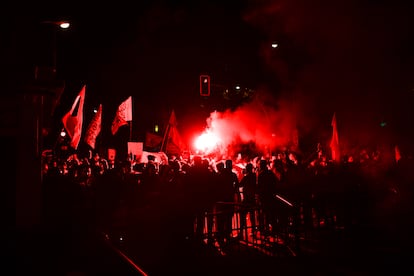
(263, 122)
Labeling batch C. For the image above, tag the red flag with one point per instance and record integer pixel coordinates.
(173, 119)
(336, 156)
(72, 121)
(152, 140)
(174, 137)
(123, 115)
(397, 153)
(94, 128)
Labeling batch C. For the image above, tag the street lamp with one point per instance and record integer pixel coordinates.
(64, 25)
(55, 25)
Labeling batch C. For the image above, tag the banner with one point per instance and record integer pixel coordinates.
(135, 150)
(159, 157)
(111, 154)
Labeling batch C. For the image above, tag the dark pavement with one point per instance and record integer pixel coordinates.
(74, 253)
(327, 252)
(152, 247)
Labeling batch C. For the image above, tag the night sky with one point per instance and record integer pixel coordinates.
(351, 57)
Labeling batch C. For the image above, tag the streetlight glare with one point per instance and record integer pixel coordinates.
(61, 24)
(275, 45)
(64, 25)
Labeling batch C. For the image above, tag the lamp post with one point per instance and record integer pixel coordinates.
(49, 71)
(36, 103)
(47, 89)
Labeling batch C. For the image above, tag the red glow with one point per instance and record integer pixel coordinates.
(264, 125)
(207, 142)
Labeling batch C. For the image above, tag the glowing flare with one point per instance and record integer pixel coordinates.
(206, 142)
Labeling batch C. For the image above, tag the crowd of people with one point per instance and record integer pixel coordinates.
(98, 193)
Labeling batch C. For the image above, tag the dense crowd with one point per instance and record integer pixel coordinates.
(98, 193)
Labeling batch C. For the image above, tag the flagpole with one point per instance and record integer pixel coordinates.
(165, 136)
(130, 131)
(130, 122)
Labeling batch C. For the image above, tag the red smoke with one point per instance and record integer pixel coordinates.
(262, 122)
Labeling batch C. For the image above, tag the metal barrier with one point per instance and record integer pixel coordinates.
(281, 237)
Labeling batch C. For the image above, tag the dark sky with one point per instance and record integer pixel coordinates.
(350, 57)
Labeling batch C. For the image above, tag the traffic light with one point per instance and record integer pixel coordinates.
(204, 85)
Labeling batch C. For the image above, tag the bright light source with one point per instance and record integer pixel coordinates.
(275, 45)
(206, 142)
(204, 85)
(61, 24)
(95, 110)
(156, 129)
(64, 25)
(62, 133)
(237, 87)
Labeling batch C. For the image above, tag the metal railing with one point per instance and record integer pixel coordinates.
(251, 226)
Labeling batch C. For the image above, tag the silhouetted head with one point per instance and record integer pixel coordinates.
(229, 164)
(220, 166)
(263, 164)
(249, 168)
(197, 160)
(175, 166)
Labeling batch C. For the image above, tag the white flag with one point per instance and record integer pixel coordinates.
(123, 115)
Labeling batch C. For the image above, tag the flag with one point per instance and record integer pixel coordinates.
(174, 142)
(152, 140)
(94, 128)
(173, 120)
(397, 153)
(174, 137)
(123, 115)
(335, 141)
(72, 121)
